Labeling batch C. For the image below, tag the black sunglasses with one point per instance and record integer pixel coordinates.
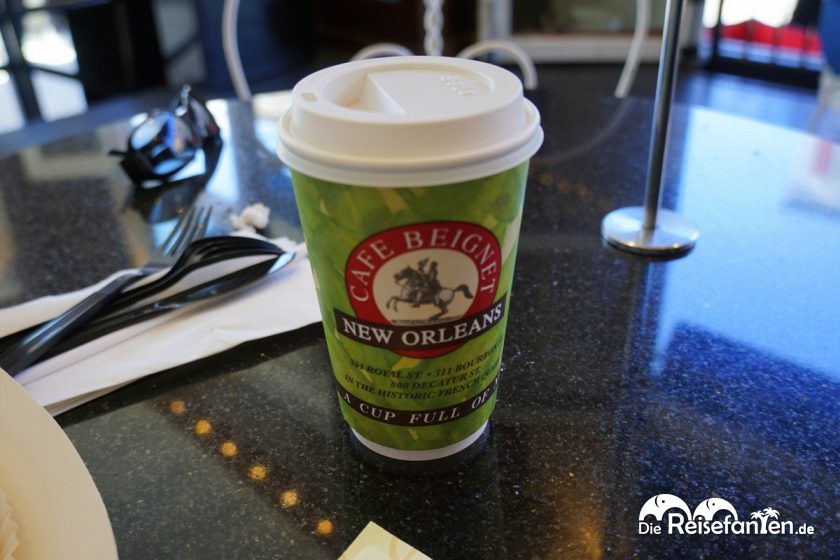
(164, 143)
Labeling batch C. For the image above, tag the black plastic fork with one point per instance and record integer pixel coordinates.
(213, 288)
(191, 226)
(201, 253)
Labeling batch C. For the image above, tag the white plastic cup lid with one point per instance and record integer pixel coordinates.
(408, 121)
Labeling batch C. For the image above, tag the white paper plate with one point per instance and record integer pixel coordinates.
(55, 503)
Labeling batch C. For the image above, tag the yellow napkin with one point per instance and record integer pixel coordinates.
(375, 543)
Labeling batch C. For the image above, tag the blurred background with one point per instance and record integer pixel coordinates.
(66, 65)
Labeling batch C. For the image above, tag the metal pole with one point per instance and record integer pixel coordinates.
(649, 230)
(665, 81)
(716, 35)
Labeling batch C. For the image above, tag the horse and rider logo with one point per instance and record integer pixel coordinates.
(421, 287)
(424, 276)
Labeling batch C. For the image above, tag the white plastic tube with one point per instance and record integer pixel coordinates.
(529, 71)
(631, 65)
(381, 49)
(230, 44)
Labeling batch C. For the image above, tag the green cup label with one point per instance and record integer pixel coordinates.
(414, 286)
(418, 418)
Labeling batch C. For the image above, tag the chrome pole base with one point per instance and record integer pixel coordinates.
(673, 235)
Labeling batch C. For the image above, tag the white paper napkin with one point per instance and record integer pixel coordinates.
(281, 302)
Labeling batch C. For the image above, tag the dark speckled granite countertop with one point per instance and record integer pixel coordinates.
(713, 376)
